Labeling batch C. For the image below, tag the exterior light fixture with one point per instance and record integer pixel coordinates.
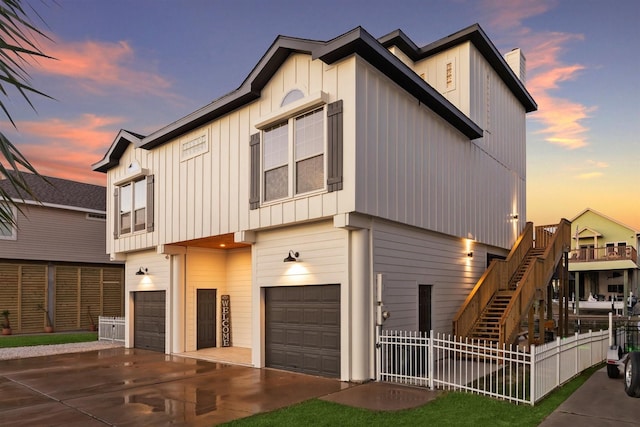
(292, 256)
(142, 272)
(470, 254)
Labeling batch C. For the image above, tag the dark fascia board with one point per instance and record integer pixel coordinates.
(399, 39)
(116, 150)
(476, 35)
(360, 42)
(248, 91)
(356, 41)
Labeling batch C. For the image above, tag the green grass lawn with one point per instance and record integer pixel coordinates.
(449, 409)
(46, 339)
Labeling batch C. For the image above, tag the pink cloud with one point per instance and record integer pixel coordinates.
(562, 120)
(99, 67)
(508, 15)
(67, 149)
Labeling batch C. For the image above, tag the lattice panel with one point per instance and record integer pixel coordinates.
(9, 292)
(89, 295)
(66, 298)
(33, 292)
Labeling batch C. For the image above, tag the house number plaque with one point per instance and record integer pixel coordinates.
(225, 302)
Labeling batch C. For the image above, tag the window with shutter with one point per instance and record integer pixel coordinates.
(297, 155)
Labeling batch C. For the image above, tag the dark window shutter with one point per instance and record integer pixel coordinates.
(116, 212)
(150, 181)
(334, 152)
(254, 185)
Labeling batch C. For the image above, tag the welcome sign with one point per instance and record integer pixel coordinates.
(225, 301)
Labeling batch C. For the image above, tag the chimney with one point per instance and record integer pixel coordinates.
(518, 63)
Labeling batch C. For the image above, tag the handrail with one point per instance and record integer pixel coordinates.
(535, 278)
(495, 278)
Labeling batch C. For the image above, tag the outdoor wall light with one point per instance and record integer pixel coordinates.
(470, 254)
(142, 272)
(292, 257)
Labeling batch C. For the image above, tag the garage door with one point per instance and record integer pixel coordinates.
(302, 329)
(149, 320)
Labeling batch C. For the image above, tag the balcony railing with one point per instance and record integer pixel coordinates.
(608, 253)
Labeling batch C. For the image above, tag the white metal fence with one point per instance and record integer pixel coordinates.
(510, 373)
(111, 328)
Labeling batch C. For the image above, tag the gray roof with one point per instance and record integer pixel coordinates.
(57, 191)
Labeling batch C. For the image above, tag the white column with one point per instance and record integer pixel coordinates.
(361, 306)
(177, 290)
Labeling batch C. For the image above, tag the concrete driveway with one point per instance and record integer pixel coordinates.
(600, 401)
(139, 388)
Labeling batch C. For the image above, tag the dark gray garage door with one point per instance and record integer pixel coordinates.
(302, 329)
(149, 320)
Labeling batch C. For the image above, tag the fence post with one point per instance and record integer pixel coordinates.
(430, 370)
(558, 358)
(532, 381)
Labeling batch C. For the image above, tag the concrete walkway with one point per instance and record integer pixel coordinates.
(599, 402)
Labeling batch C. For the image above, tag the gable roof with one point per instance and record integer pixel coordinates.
(59, 192)
(608, 218)
(357, 41)
(476, 35)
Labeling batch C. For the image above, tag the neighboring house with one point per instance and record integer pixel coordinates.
(603, 262)
(54, 256)
(357, 159)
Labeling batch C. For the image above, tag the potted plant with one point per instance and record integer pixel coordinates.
(6, 324)
(92, 326)
(49, 327)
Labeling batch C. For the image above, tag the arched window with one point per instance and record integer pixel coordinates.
(293, 95)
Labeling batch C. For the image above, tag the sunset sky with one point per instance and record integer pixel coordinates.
(142, 64)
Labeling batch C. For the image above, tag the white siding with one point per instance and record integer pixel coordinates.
(208, 194)
(324, 254)
(414, 168)
(323, 249)
(157, 279)
(229, 272)
(408, 257)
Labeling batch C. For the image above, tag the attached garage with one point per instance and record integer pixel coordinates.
(302, 329)
(149, 320)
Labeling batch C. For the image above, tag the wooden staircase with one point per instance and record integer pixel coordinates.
(505, 293)
(487, 327)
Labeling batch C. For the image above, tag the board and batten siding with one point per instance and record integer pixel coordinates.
(324, 259)
(414, 168)
(229, 272)
(51, 234)
(408, 257)
(208, 194)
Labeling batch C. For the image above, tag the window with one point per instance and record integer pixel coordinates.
(301, 139)
(297, 154)
(7, 228)
(134, 206)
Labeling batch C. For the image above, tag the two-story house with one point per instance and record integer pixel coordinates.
(341, 176)
(52, 256)
(603, 262)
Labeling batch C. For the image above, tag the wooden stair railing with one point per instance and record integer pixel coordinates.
(535, 278)
(508, 287)
(495, 278)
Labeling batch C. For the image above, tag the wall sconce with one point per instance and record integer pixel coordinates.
(142, 272)
(292, 257)
(470, 254)
(514, 216)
